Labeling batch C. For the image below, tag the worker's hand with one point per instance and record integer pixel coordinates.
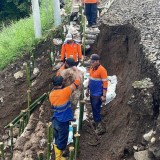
(103, 98)
(87, 93)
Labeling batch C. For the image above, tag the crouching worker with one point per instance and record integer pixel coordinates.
(68, 64)
(62, 112)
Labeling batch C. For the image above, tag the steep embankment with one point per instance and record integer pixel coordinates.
(129, 48)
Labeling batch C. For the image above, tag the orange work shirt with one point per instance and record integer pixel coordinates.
(90, 1)
(60, 102)
(72, 50)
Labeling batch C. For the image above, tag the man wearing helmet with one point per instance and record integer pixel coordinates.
(71, 49)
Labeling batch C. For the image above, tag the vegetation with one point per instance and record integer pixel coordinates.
(14, 9)
(19, 38)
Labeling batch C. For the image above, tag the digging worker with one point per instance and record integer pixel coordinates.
(62, 112)
(97, 89)
(91, 12)
(71, 49)
(68, 64)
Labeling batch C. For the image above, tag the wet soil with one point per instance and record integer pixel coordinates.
(122, 56)
(14, 92)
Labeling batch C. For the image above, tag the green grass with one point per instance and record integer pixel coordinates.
(18, 38)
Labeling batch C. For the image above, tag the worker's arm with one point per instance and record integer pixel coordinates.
(63, 53)
(104, 76)
(76, 83)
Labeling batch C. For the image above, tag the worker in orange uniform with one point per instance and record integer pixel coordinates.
(97, 89)
(71, 49)
(68, 64)
(62, 112)
(91, 12)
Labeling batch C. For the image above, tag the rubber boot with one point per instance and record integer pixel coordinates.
(100, 129)
(58, 153)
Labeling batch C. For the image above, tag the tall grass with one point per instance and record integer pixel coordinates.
(19, 38)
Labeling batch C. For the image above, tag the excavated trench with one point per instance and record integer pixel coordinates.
(121, 54)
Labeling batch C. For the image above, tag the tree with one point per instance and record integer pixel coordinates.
(14, 9)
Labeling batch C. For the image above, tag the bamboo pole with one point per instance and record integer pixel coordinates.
(2, 150)
(84, 36)
(81, 107)
(81, 115)
(28, 103)
(50, 58)
(71, 154)
(77, 135)
(21, 126)
(28, 90)
(40, 156)
(80, 21)
(74, 132)
(25, 119)
(32, 62)
(11, 137)
(32, 107)
(49, 141)
(80, 10)
(68, 16)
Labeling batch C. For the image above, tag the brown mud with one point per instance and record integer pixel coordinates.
(121, 55)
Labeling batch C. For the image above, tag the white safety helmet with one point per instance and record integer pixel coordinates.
(69, 37)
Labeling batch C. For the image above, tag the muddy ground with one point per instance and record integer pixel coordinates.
(121, 54)
(14, 92)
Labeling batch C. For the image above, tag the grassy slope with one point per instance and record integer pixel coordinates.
(18, 38)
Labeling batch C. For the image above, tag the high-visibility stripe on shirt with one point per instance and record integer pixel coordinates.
(72, 50)
(60, 101)
(98, 81)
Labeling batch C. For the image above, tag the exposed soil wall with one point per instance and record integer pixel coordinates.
(14, 92)
(121, 53)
